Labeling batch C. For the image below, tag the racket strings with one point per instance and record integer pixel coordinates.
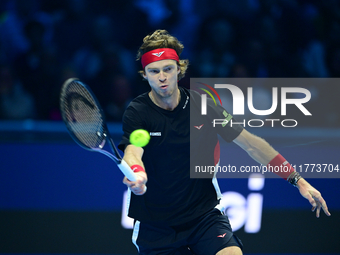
(82, 115)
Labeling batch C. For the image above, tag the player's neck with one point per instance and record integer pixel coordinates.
(168, 103)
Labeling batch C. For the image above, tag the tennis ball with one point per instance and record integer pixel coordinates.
(139, 137)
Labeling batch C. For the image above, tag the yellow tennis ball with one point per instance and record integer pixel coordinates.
(139, 137)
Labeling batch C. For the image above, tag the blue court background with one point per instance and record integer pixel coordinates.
(44, 173)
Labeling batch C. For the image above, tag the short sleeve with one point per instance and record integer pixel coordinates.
(131, 122)
(223, 122)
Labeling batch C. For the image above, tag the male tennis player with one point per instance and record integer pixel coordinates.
(177, 214)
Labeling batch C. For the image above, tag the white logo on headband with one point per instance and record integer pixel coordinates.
(158, 54)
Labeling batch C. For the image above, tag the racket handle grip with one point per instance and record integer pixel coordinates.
(127, 171)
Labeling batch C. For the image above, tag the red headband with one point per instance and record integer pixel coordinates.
(159, 54)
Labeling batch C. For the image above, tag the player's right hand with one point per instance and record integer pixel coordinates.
(137, 187)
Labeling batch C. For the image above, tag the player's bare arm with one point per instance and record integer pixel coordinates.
(262, 152)
(133, 156)
(256, 147)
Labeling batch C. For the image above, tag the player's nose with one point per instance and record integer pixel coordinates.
(162, 77)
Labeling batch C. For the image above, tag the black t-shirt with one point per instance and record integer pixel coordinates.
(172, 196)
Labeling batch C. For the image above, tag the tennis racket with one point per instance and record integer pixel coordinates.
(85, 121)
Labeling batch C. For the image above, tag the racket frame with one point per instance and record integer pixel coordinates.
(122, 165)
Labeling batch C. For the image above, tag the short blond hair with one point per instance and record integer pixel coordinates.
(162, 39)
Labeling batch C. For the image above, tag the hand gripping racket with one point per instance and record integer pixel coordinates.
(85, 121)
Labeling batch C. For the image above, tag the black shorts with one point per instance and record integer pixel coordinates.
(206, 235)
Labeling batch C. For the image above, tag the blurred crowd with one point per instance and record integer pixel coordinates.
(44, 42)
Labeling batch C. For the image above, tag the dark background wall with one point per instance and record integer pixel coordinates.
(42, 43)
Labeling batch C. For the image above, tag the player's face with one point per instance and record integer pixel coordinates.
(162, 76)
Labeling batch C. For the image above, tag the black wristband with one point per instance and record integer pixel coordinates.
(293, 178)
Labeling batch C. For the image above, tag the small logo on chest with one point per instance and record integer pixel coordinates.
(155, 133)
(199, 127)
(222, 236)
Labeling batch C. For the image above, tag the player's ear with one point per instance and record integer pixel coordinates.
(144, 75)
(178, 70)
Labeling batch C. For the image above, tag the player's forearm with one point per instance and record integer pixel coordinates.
(256, 147)
(262, 152)
(132, 160)
(133, 156)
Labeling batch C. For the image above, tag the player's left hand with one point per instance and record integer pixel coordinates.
(313, 196)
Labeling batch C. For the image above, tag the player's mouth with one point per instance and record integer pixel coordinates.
(164, 86)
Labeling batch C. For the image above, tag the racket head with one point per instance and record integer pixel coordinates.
(83, 115)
